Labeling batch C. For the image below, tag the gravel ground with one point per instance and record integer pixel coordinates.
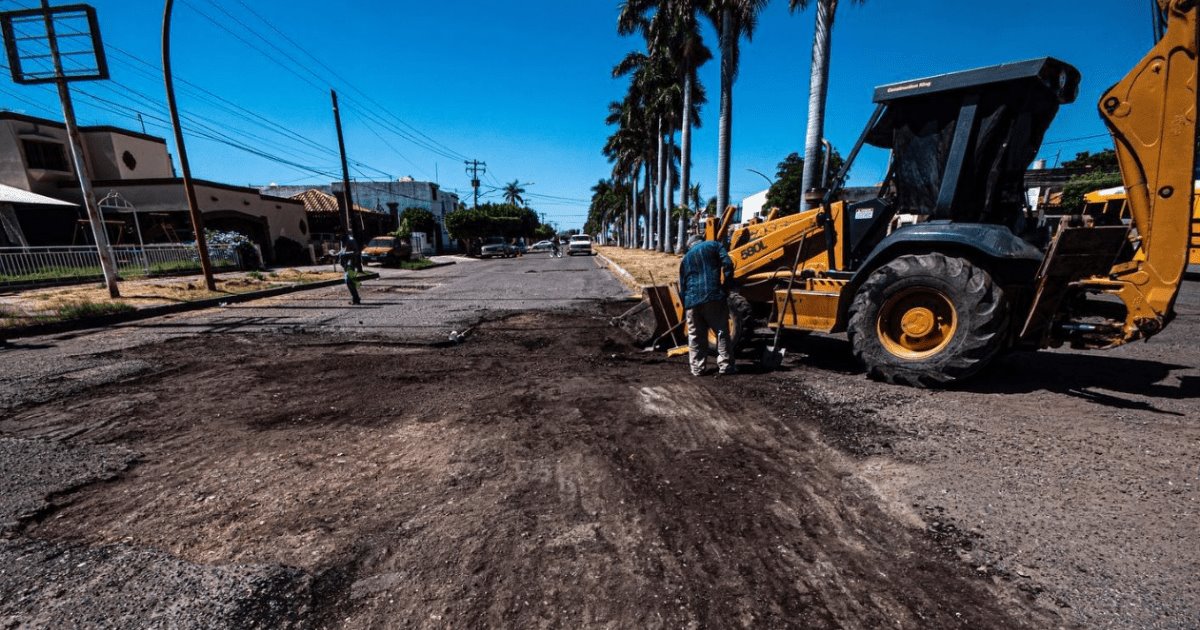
(294, 462)
(1072, 476)
(542, 474)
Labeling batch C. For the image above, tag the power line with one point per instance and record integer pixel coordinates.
(430, 145)
(1080, 138)
(334, 73)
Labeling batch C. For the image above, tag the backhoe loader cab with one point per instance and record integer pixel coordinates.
(960, 145)
(935, 302)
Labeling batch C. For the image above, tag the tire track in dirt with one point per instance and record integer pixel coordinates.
(543, 474)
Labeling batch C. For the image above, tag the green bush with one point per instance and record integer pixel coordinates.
(1080, 185)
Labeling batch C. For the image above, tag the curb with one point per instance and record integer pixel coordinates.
(624, 276)
(85, 323)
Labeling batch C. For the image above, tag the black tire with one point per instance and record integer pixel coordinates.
(898, 321)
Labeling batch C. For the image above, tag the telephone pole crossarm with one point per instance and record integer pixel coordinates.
(475, 168)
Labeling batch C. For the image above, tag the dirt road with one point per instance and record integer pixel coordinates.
(546, 474)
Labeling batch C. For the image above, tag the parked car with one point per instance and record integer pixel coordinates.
(387, 250)
(497, 247)
(580, 244)
(541, 246)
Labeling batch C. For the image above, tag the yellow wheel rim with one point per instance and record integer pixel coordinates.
(917, 323)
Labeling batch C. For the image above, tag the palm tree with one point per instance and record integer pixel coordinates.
(672, 31)
(650, 79)
(733, 19)
(817, 85)
(692, 54)
(628, 149)
(513, 192)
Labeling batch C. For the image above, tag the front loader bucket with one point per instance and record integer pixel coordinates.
(669, 327)
(657, 321)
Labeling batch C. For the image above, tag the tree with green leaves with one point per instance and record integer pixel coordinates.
(417, 220)
(1104, 161)
(733, 19)
(628, 150)
(787, 193)
(513, 192)
(649, 73)
(1102, 171)
(491, 219)
(609, 199)
(1079, 185)
(818, 85)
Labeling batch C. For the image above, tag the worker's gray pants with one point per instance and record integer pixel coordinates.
(700, 319)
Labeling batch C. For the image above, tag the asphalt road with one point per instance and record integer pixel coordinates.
(410, 306)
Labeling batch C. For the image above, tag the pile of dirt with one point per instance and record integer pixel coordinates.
(543, 473)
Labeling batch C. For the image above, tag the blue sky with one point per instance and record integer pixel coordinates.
(524, 85)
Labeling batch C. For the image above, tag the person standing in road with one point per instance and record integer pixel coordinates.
(704, 274)
(346, 260)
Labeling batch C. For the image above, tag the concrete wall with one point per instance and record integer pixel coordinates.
(280, 217)
(13, 170)
(106, 156)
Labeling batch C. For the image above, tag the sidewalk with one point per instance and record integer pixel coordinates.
(38, 308)
(642, 267)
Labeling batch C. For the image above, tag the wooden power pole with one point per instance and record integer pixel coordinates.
(188, 186)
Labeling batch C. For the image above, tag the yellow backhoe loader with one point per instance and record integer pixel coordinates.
(933, 303)
(1110, 205)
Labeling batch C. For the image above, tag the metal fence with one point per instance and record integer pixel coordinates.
(37, 265)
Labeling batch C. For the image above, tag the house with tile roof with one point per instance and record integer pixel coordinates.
(324, 213)
(137, 167)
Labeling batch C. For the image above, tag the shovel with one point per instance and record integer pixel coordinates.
(773, 354)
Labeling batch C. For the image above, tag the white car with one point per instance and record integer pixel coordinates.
(580, 244)
(541, 246)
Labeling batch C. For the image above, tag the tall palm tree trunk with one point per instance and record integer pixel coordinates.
(728, 43)
(685, 159)
(817, 88)
(668, 219)
(685, 141)
(648, 192)
(681, 238)
(631, 224)
(660, 197)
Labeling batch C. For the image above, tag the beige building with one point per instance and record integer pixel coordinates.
(34, 157)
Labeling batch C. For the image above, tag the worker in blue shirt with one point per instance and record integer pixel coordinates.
(704, 275)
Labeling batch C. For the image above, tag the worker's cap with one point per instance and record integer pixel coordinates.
(694, 240)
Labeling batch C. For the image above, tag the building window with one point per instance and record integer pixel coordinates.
(51, 156)
(129, 160)
(433, 191)
(303, 228)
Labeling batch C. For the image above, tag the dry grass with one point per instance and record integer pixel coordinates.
(646, 267)
(45, 305)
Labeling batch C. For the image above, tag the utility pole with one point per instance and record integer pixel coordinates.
(189, 187)
(347, 198)
(475, 168)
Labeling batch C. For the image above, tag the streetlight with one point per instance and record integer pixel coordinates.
(770, 181)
